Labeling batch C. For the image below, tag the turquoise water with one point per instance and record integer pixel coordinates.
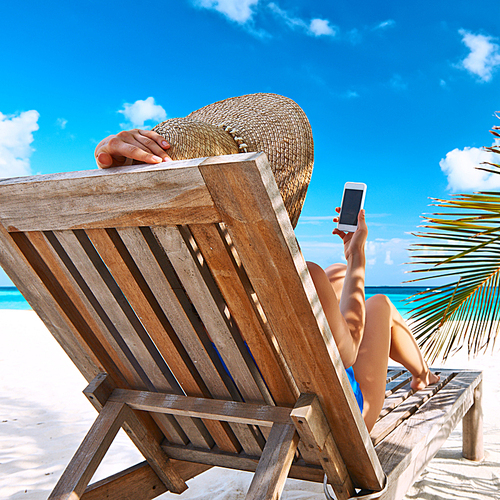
(397, 294)
(11, 298)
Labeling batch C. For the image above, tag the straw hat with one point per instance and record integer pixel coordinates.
(270, 123)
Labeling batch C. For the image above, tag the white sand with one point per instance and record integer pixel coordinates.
(44, 416)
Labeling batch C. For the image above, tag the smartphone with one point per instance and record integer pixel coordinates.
(353, 200)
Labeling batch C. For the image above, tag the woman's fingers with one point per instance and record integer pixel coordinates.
(342, 234)
(143, 146)
(153, 142)
(154, 136)
(104, 160)
(120, 147)
(362, 219)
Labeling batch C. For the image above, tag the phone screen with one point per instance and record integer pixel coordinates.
(350, 207)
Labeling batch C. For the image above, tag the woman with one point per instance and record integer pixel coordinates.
(367, 332)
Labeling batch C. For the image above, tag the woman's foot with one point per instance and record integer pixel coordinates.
(423, 380)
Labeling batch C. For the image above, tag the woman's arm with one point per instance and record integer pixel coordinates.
(352, 300)
(347, 316)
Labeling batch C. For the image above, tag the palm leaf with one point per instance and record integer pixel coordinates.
(462, 244)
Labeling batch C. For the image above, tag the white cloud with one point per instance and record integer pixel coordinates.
(484, 55)
(394, 250)
(320, 27)
(398, 83)
(315, 27)
(62, 122)
(239, 11)
(388, 259)
(142, 111)
(315, 219)
(459, 166)
(351, 94)
(292, 22)
(385, 24)
(379, 252)
(16, 136)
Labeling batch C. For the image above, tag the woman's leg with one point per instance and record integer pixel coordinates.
(336, 274)
(386, 335)
(330, 303)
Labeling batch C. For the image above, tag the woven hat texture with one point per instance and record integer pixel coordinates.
(270, 123)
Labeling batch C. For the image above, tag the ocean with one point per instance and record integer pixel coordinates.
(11, 298)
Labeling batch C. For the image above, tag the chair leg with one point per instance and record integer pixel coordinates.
(315, 433)
(139, 482)
(274, 464)
(472, 431)
(98, 392)
(87, 458)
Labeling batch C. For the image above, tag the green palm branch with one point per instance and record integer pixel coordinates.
(461, 244)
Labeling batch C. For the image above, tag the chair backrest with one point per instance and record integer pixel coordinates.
(183, 278)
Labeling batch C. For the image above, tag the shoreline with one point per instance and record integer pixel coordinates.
(44, 417)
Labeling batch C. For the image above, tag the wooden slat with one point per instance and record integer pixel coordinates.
(34, 290)
(252, 209)
(218, 299)
(206, 306)
(392, 373)
(156, 269)
(274, 465)
(139, 482)
(216, 248)
(405, 452)
(227, 411)
(231, 281)
(95, 275)
(189, 333)
(240, 461)
(397, 383)
(408, 407)
(107, 198)
(396, 398)
(52, 282)
(235, 357)
(90, 270)
(115, 256)
(102, 342)
(189, 328)
(87, 458)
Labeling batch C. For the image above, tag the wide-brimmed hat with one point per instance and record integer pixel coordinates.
(270, 123)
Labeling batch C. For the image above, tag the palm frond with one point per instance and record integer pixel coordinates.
(462, 244)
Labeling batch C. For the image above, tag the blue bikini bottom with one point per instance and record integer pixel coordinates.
(355, 387)
(350, 374)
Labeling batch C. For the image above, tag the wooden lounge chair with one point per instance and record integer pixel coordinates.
(180, 293)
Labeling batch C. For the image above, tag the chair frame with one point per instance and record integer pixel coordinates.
(111, 272)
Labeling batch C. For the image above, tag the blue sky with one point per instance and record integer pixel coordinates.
(400, 95)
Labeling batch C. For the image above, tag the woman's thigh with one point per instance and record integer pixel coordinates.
(370, 367)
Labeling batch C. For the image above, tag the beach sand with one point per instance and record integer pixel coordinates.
(44, 416)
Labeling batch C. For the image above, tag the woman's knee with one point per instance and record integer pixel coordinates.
(315, 271)
(337, 270)
(379, 300)
(379, 309)
(336, 275)
(319, 278)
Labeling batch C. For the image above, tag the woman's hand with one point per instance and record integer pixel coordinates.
(353, 242)
(144, 146)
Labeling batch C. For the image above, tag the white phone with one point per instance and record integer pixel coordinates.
(353, 200)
